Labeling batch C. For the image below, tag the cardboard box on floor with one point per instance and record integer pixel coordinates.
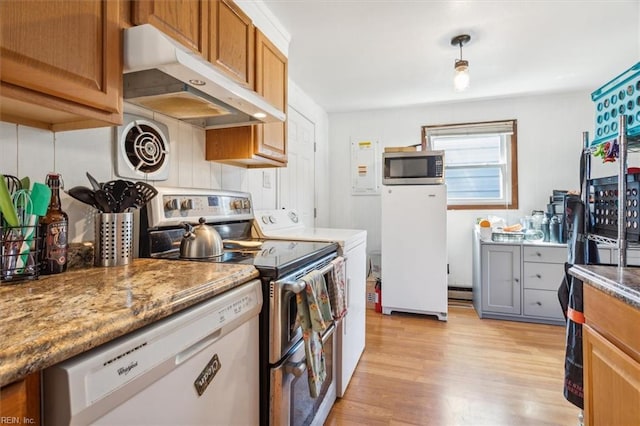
(371, 292)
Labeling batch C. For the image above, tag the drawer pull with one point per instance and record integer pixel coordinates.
(538, 254)
(539, 303)
(538, 276)
(516, 280)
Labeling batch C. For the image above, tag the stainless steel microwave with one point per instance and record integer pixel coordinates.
(413, 168)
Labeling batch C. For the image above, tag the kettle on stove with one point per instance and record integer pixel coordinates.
(200, 242)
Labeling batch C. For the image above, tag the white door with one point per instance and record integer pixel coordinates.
(297, 180)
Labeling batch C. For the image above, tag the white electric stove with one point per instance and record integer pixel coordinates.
(286, 224)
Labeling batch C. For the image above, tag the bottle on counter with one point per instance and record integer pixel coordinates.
(54, 228)
(554, 230)
(545, 228)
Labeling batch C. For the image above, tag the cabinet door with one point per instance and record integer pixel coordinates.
(352, 327)
(611, 383)
(231, 41)
(501, 286)
(21, 400)
(271, 83)
(182, 20)
(63, 55)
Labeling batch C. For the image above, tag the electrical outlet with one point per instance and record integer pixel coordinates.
(266, 180)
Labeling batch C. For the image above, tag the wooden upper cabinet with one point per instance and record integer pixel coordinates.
(259, 145)
(231, 41)
(61, 63)
(183, 20)
(271, 83)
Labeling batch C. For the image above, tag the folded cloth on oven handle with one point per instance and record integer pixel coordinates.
(337, 288)
(314, 306)
(314, 316)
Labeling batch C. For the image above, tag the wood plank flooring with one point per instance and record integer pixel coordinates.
(417, 370)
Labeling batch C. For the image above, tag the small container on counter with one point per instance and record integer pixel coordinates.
(554, 230)
(507, 237)
(545, 229)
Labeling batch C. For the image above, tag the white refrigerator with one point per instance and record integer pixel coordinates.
(414, 249)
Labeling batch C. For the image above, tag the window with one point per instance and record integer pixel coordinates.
(481, 163)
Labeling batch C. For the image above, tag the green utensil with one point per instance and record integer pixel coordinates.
(25, 183)
(40, 198)
(6, 206)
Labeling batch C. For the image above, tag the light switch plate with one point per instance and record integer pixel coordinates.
(266, 180)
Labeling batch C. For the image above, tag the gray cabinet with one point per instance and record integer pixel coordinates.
(518, 281)
(542, 273)
(501, 286)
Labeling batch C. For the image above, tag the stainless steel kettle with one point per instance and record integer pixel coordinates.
(200, 242)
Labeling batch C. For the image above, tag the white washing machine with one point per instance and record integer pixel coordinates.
(286, 224)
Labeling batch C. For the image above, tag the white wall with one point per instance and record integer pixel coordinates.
(549, 145)
(33, 152)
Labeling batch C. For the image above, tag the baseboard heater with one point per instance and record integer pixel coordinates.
(460, 293)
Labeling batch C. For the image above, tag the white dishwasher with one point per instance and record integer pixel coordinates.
(196, 367)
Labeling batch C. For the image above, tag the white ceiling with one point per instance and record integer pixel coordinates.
(369, 54)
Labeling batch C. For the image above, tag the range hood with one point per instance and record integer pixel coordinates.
(162, 75)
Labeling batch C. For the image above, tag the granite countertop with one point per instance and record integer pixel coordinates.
(46, 321)
(621, 283)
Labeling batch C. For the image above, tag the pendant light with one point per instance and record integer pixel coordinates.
(461, 76)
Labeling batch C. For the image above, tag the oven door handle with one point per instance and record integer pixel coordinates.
(299, 285)
(296, 369)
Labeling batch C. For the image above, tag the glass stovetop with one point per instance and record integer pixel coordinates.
(273, 257)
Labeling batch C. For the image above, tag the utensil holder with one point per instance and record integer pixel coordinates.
(113, 239)
(19, 253)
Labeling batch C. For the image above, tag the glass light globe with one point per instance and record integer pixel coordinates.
(461, 76)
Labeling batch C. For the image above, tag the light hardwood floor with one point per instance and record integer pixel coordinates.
(416, 370)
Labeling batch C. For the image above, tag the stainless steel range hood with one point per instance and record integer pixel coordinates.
(164, 76)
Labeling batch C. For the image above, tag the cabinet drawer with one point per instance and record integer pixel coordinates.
(542, 303)
(543, 276)
(545, 254)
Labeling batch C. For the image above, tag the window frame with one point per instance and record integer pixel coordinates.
(512, 163)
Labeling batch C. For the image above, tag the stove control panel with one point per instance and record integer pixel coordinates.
(268, 221)
(205, 205)
(175, 206)
(189, 208)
